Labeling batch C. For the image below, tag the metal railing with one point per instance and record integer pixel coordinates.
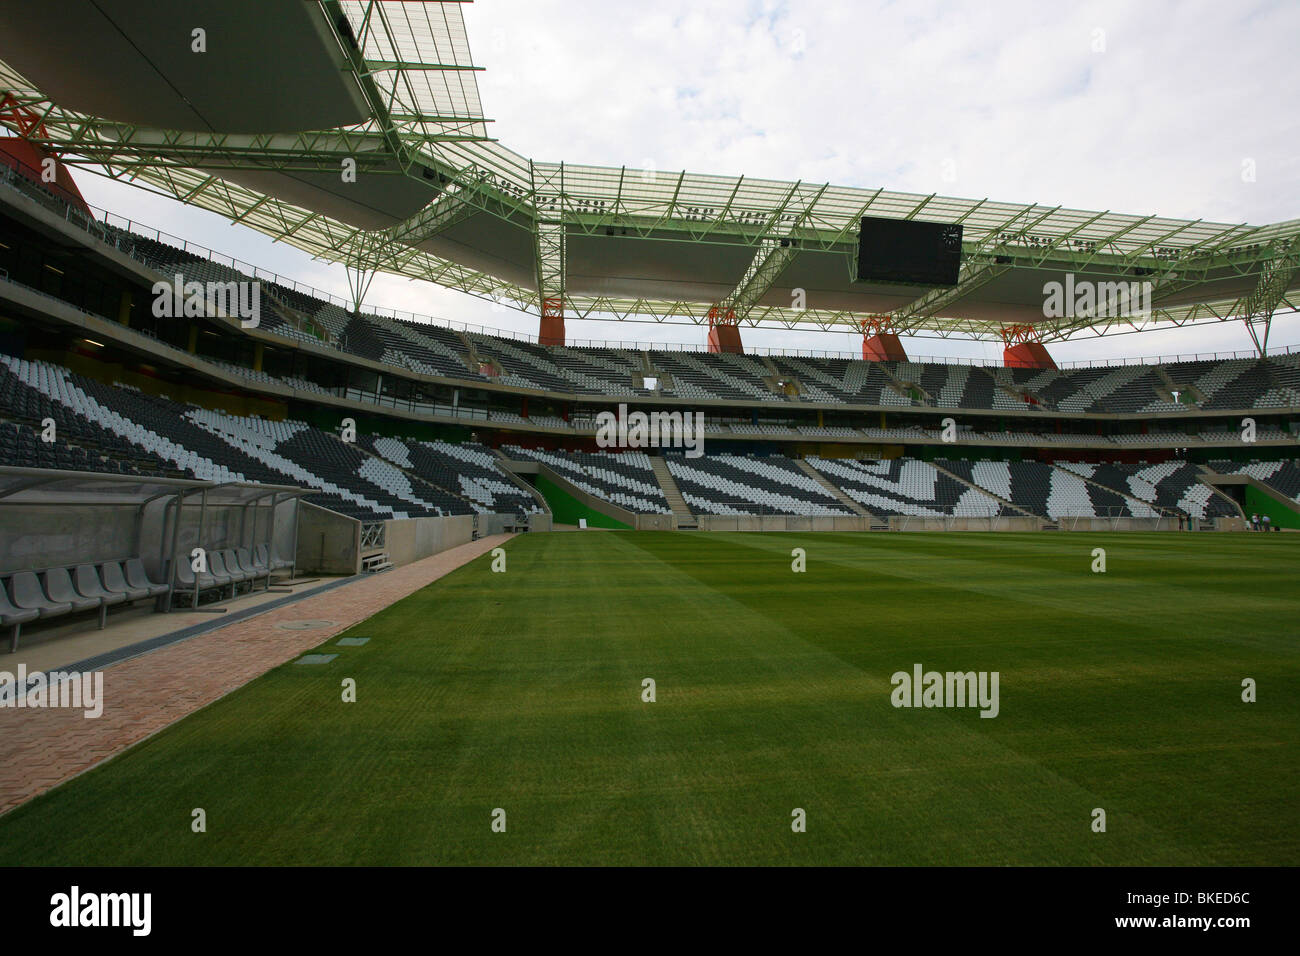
(374, 536)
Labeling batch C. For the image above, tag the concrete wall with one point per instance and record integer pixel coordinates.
(414, 538)
(41, 536)
(656, 522)
(910, 523)
(1230, 524)
(1119, 524)
(782, 523)
(497, 524)
(328, 543)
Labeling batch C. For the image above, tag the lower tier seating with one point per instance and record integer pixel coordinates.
(622, 478)
(1172, 485)
(468, 470)
(905, 486)
(726, 484)
(1282, 476)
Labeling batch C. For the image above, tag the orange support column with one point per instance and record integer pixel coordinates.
(879, 342)
(1023, 348)
(884, 347)
(551, 331)
(724, 331)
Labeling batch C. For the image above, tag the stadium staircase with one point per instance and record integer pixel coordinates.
(297, 319)
(1219, 479)
(473, 361)
(523, 486)
(840, 496)
(901, 388)
(375, 563)
(685, 519)
(984, 491)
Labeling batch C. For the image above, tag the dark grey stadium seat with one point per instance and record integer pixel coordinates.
(86, 583)
(26, 593)
(110, 572)
(259, 559)
(189, 582)
(249, 567)
(221, 561)
(217, 569)
(14, 617)
(137, 577)
(58, 585)
(234, 567)
(263, 554)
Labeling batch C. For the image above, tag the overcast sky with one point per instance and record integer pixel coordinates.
(1150, 107)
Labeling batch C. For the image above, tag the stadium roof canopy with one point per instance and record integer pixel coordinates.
(260, 123)
(59, 488)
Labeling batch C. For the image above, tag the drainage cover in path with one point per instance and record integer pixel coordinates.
(352, 641)
(302, 625)
(315, 659)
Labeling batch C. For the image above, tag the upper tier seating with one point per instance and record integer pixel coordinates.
(435, 350)
(598, 371)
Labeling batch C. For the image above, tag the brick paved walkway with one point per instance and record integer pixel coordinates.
(41, 748)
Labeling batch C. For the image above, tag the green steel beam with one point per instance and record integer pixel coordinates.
(412, 127)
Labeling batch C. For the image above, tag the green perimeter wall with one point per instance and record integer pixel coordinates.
(567, 509)
(1261, 504)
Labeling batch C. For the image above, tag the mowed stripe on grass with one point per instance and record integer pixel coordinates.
(523, 691)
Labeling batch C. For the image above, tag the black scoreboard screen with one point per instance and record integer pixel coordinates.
(909, 252)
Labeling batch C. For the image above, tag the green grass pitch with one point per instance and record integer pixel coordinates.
(523, 691)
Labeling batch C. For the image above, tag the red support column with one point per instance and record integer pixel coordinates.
(879, 342)
(28, 159)
(724, 331)
(551, 331)
(1023, 349)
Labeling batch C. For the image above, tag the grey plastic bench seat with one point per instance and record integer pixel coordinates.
(217, 568)
(86, 581)
(191, 583)
(264, 556)
(249, 568)
(231, 565)
(14, 617)
(110, 572)
(137, 577)
(58, 585)
(186, 579)
(27, 594)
